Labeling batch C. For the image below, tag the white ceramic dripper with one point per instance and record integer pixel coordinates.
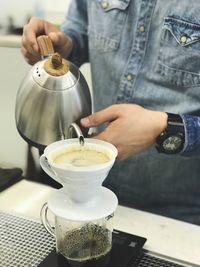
(79, 183)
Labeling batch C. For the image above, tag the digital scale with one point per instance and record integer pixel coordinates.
(25, 243)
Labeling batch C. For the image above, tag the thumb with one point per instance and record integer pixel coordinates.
(58, 38)
(49, 27)
(99, 118)
(62, 43)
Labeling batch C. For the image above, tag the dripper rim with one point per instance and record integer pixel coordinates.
(72, 141)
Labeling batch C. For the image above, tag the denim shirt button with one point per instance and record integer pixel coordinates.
(141, 28)
(104, 4)
(129, 77)
(183, 39)
(188, 40)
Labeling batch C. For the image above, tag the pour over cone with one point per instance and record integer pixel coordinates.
(80, 184)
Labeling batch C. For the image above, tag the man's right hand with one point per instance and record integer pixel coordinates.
(62, 43)
(131, 128)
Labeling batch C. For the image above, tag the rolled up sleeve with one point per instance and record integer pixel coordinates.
(192, 135)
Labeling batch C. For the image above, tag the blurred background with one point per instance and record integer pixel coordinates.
(19, 11)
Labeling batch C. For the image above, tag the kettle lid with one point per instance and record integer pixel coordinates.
(54, 72)
(45, 76)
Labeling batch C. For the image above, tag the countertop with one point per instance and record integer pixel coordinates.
(10, 40)
(165, 236)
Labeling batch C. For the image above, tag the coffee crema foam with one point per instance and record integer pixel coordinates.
(80, 157)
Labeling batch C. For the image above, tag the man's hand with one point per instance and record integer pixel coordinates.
(62, 43)
(131, 128)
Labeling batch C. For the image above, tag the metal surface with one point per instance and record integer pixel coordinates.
(75, 131)
(150, 259)
(23, 243)
(26, 243)
(46, 105)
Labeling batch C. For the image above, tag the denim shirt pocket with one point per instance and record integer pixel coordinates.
(179, 55)
(106, 22)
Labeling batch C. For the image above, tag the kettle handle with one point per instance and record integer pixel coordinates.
(45, 45)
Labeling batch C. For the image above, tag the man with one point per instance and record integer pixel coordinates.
(144, 53)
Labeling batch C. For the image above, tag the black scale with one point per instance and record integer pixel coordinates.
(25, 243)
(125, 248)
(127, 251)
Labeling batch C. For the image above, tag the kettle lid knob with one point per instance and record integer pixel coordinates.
(56, 65)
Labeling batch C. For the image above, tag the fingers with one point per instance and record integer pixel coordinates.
(98, 118)
(30, 32)
(62, 43)
(125, 151)
(58, 38)
(49, 27)
(30, 58)
(29, 46)
(102, 136)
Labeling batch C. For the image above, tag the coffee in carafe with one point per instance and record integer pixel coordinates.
(88, 246)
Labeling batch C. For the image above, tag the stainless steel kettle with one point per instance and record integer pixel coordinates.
(52, 95)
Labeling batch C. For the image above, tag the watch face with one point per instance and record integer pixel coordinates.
(172, 143)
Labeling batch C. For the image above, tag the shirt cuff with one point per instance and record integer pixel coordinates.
(192, 135)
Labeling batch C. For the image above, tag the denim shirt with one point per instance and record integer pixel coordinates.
(146, 52)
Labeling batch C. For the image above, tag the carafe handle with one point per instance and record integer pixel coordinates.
(45, 221)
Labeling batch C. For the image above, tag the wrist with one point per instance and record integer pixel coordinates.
(172, 139)
(160, 119)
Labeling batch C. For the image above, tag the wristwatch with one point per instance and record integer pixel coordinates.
(172, 139)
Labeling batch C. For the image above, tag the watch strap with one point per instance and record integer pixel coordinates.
(175, 123)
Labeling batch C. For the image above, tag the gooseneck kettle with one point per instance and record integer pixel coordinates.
(53, 95)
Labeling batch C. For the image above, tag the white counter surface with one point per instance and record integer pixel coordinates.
(9, 40)
(166, 236)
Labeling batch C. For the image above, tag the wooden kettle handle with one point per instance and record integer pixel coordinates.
(45, 45)
(55, 65)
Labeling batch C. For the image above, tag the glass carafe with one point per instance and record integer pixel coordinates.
(81, 241)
